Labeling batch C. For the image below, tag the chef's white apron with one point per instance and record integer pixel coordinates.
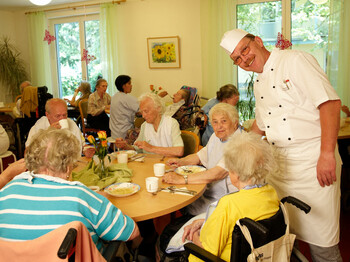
(298, 177)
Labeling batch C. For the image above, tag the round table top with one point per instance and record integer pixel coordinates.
(144, 205)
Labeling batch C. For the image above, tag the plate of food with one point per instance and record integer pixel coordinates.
(122, 189)
(188, 170)
(130, 153)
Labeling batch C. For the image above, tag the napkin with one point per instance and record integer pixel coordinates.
(117, 173)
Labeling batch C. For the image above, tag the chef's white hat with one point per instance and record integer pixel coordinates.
(231, 39)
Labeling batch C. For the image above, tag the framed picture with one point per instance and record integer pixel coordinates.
(163, 52)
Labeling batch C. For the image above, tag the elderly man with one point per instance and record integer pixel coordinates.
(159, 134)
(298, 111)
(56, 110)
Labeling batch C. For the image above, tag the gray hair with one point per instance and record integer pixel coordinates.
(54, 149)
(23, 85)
(85, 87)
(157, 102)
(227, 91)
(50, 103)
(224, 109)
(250, 157)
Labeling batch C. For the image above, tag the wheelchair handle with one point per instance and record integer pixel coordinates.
(251, 224)
(298, 203)
(67, 243)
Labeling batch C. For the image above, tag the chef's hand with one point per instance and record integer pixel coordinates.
(326, 165)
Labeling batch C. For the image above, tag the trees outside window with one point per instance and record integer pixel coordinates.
(73, 36)
(303, 22)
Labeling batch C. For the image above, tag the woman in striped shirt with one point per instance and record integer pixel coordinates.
(41, 199)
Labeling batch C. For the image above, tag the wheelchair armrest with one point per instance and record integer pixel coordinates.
(254, 226)
(111, 249)
(67, 243)
(296, 202)
(201, 253)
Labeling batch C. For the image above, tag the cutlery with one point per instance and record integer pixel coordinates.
(135, 157)
(174, 189)
(170, 170)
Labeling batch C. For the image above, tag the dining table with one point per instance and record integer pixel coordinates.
(144, 205)
(7, 108)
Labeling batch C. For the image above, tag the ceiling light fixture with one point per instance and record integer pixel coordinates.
(40, 2)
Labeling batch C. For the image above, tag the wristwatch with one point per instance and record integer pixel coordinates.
(186, 180)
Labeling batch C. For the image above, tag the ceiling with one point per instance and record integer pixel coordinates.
(26, 4)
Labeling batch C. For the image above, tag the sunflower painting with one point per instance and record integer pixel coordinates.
(163, 52)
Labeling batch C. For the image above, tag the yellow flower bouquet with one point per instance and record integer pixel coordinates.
(101, 150)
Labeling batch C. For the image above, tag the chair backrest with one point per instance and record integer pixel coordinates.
(194, 98)
(18, 97)
(83, 104)
(45, 247)
(275, 226)
(191, 142)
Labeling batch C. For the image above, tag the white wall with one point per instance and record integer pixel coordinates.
(12, 25)
(138, 20)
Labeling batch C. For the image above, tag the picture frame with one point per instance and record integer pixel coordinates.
(163, 52)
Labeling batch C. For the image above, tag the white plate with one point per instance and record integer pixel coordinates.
(188, 170)
(130, 153)
(122, 189)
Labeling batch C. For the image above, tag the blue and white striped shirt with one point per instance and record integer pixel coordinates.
(33, 205)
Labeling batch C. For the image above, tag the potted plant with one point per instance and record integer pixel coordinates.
(246, 107)
(12, 70)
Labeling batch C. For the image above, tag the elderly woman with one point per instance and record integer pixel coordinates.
(227, 94)
(85, 89)
(123, 108)
(249, 160)
(159, 134)
(45, 200)
(224, 118)
(98, 102)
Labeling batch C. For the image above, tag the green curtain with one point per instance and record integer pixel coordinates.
(339, 72)
(216, 18)
(109, 44)
(40, 70)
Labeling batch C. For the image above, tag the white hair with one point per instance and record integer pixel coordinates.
(224, 109)
(250, 157)
(157, 102)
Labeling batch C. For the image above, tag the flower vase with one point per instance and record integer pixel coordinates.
(101, 168)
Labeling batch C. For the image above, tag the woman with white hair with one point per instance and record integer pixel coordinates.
(249, 160)
(159, 134)
(44, 199)
(224, 119)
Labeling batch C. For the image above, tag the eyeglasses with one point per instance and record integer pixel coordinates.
(245, 51)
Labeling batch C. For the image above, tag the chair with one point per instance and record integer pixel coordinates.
(191, 142)
(45, 248)
(83, 105)
(6, 159)
(262, 232)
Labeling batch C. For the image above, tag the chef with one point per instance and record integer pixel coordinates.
(298, 110)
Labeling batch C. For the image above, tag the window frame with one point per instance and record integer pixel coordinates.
(53, 50)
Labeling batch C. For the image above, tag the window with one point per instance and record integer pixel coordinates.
(303, 22)
(73, 36)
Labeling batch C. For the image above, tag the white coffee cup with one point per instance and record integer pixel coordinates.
(152, 184)
(122, 158)
(64, 123)
(159, 169)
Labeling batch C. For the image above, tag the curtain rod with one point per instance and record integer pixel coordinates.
(77, 6)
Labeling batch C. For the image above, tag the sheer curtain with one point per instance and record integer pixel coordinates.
(109, 44)
(217, 17)
(339, 37)
(40, 71)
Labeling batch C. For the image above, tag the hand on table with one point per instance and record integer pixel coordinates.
(173, 178)
(88, 151)
(326, 166)
(144, 145)
(121, 143)
(192, 229)
(175, 162)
